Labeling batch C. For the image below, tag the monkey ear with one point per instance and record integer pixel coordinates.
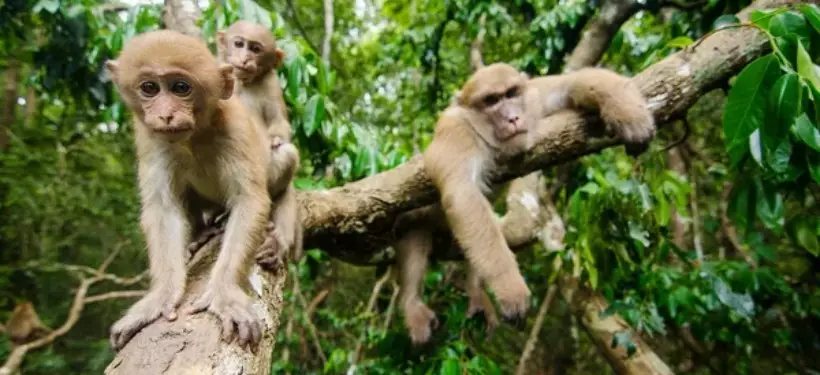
(220, 38)
(226, 73)
(112, 68)
(280, 57)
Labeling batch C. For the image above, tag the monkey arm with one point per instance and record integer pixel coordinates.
(455, 170)
(616, 98)
(244, 232)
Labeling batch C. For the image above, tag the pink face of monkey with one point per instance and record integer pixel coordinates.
(250, 49)
(497, 92)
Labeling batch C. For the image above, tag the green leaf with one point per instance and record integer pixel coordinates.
(778, 159)
(806, 132)
(784, 102)
(813, 161)
(314, 113)
(791, 26)
(806, 68)
(725, 20)
(450, 366)
(679, 42)
(806, 238)
(742, 304)
(812, 14)
(741, 203)
(50, 6)
(746, 105)
(770, 208)
(755, 148)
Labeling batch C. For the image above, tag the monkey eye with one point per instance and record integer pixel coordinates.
(512, 92)
(490, 100)
(181, 88)
(238, 43)
(255, 48)
(149, 88)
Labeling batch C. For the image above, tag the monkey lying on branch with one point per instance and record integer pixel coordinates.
(491, 116)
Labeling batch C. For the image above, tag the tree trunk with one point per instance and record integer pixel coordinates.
(599, 33)
(328, 31)
(10, 83)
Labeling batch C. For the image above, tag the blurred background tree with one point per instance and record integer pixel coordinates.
(707, 250)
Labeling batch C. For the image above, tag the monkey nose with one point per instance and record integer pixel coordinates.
(167, 119)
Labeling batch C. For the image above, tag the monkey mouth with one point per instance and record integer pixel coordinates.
(173, 130)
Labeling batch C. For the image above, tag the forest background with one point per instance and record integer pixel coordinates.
(699, 256)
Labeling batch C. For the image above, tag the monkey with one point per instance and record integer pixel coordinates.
(255, 57)
(198, 149)
(492, 115)
(24, 325)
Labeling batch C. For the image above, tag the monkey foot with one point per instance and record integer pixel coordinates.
(204, 237)
(513, 295)
(270, 255)
(233, 308)
(143, 313)
(420, 321)
(482, 303)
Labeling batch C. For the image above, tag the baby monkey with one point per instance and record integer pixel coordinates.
(493, 115)
(198, 149)
(252, 51)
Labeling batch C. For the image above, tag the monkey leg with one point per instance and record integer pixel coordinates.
(413, 250)
(270, 255)
(480, 301)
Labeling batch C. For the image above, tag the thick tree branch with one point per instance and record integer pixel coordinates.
(601, 29)
(353, 222)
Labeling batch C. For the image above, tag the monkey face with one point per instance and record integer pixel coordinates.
(168, 104)
(505, 111)
(250, 49)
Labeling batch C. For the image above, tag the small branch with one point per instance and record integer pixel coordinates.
(317, 345)
(476, 61)
(730, 230)
(391, 308)
(536, 328)
(299, 27)
(371, 305)
(114, 295)
(328, 30)
(316, 301)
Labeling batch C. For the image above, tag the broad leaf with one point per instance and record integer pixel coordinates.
(746, 105)
(725, 20)
(314, 114)
(805, 131)
(679, 42)
(812, 14)
(778, 158)
(741, 203)
(784, 102)
(755, 148)
(451, 366)
(806, 68)
(742, 304)
(806, 237)
(791, 26)
(813, 161)
(770, 208)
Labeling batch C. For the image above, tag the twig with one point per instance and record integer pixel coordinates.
(729, 228)
(696, 239)
(371, 304)
(476, 61)
(316, 301)
(310, 326)
(391, 308)
(113, 295)
(536, 328)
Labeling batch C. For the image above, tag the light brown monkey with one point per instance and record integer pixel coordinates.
(197, 148)
(493, 115)
(252, 51)
(24, 324)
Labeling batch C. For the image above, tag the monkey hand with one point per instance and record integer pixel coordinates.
(480, 302)
(627, 116)
(156, 303)
(420, 321)
(512, 293)
(233, 308)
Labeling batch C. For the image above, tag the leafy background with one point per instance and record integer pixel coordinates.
(740, 281)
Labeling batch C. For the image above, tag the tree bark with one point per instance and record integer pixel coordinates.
(328, 31)
(601, 29)
(354, 222)
(10, 83)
